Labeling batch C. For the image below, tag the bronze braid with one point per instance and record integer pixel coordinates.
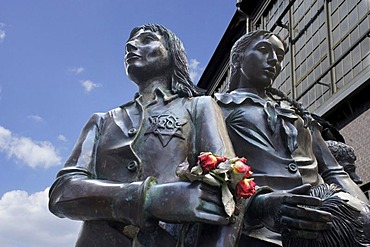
(298, 106)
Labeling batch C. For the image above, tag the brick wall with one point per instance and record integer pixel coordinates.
(357, 135)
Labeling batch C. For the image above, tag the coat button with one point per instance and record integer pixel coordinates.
(132, 132)
(293, 168)
(132, 166)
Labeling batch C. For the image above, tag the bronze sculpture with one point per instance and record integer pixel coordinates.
(284, 147)
(345, 155)
(120, 178)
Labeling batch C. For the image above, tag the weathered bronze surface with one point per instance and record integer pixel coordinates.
(345, 155)
(120, 178)
(288, 156)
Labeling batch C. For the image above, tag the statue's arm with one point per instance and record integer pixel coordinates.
(211, 130)
(329, 169)
(78, 194)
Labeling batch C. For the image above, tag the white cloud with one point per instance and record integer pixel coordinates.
(89, 85)
(62, 138)
(36, 118)
(27, 222)
(2, 32)
(77, 70)
(194, 63)
(195, 70)
(32, 153)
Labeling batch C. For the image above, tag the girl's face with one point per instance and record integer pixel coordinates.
(260, 63)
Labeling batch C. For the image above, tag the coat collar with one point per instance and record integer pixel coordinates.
(238, 96)
(158, 95)
(272, 109)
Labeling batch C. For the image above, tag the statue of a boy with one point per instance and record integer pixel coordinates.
(120, 178)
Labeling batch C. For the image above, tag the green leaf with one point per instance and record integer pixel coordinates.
(191, 177)
(220, 171)
(209, 179)
(227, 200)
(236, 178)
(182, 169)
(224, 166)
(196, 170)
(222, 177)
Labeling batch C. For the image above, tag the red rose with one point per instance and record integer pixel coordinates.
(244, 160)
(207, 161)
(240, 167)
(248, 172)
(245, 188)
(220, 159)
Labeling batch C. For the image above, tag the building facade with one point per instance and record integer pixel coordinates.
(326, 67)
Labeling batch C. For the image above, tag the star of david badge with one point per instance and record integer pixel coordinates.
(165, 127)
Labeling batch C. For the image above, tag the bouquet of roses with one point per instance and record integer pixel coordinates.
(232, 175)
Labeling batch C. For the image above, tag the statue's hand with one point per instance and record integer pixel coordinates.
(185, 202)
(290, 212)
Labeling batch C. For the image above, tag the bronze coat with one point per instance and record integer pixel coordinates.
(103, 182)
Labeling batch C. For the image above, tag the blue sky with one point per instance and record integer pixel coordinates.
(61, 61)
